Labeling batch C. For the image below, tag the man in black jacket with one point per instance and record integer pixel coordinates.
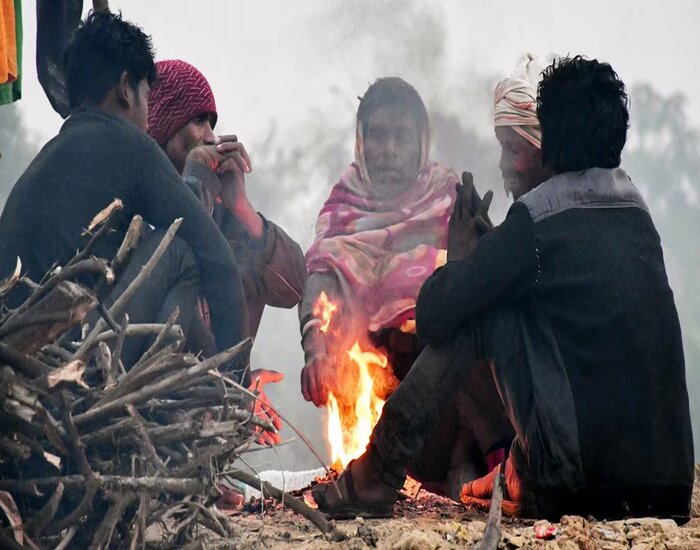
(569, 300)
(103, 152)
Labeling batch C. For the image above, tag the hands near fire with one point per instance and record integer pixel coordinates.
(314, 383)
(318, 371)
(263, 408)
(469, 220)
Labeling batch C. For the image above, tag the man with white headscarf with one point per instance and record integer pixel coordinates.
(518, 129)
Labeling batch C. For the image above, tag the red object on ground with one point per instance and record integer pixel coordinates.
(545, 531)
(230, 498)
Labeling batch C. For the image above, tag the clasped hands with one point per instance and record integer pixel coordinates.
(230, 160)
(469, 221)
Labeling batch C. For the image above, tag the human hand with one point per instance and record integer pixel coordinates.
(263, 407)
(205, 154)
(316, 380)
(232, 170)
(469, 220)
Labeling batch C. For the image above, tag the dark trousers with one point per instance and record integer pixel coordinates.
(173, 283)
(472, 423)
(533, 389)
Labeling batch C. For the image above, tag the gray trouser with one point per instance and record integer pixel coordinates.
(534, 389)
(174, 282)
(512, 340)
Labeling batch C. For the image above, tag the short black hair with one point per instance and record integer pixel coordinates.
(582, 108)
(392, 91)
(101, 49)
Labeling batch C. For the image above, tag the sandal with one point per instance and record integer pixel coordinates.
(348, 505)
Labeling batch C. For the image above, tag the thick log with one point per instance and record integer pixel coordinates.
(151, 485)
(68, 303)
(28, 366)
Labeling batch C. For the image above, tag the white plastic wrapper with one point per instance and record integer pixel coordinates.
(285, 480)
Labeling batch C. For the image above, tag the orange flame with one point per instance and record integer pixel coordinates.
(324, 310)
(356, 405)
(349, 427)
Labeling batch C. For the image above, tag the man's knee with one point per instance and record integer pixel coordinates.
(183, 258)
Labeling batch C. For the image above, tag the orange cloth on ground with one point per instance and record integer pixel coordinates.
(8, 42)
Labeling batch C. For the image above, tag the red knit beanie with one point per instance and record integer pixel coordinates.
(180, 94)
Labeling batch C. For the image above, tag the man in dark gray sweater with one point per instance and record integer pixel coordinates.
(103, 152)
(569, 301)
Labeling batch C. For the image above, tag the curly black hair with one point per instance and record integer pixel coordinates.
(392, 91)
(582, 108)
(101, 49)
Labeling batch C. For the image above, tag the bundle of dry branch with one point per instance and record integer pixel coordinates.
(94, 455)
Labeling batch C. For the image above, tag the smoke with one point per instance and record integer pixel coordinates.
(296, 169)
(296, 163)
(17, 148)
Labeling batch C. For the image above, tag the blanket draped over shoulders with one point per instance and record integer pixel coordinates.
(382, 250)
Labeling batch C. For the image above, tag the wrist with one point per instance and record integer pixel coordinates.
(313, 342)
(243, 211)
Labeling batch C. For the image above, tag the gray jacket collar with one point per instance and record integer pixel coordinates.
(593, 188)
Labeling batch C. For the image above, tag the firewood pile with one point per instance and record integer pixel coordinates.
(96, 456)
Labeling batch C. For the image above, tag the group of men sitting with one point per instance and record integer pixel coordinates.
(552, 340)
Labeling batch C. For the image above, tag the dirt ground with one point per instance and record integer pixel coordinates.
(430, 522)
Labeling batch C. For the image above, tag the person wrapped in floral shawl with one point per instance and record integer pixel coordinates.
(380, 234)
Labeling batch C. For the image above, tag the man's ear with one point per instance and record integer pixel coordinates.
(124, 91)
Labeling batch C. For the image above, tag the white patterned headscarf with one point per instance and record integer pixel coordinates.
(515, 99)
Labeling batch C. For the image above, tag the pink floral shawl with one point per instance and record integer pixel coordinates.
(383, 250)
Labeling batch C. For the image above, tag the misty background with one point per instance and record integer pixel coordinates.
(286, 80)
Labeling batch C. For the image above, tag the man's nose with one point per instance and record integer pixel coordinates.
(209, 137)
(391, 146)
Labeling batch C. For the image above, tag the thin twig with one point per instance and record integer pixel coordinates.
(146, 444)
(117, 366)
(111, 323)
(314, 516)
(91, 487)
(165, 331)
(67, 538)
(145, 272)
(36, 319)
(297, 431)
(164, 384)
(131, 240)
(103, 535)
(492, 531)
(44, 516)
(76, 446)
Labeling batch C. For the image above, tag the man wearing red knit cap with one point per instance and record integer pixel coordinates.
(181, 118)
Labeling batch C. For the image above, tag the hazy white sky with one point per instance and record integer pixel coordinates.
(275, 59)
